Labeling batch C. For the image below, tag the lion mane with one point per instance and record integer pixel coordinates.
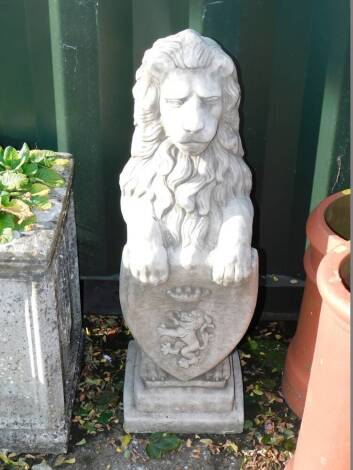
(187, 192)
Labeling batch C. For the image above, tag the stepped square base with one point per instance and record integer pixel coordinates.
(185, 407)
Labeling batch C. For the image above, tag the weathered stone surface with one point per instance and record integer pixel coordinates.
(40, 330)
(189, 276)
(188, 338)
(185, 190)
(186, 398)
(165, 411)
(153, 376)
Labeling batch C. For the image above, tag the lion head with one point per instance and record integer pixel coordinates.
(186, 154)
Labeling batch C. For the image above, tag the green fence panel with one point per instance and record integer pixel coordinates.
(26, 81)
(91, 50)
(68, 68)
(332, 153)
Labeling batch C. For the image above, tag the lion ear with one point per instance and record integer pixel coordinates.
(224, 66)
(153, 64)
(158, 70)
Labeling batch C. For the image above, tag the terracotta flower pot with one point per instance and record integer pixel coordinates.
(324, 437)
(327, 227)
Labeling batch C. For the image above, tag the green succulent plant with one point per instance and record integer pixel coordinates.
(26, 178)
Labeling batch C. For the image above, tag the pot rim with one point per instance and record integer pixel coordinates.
(320, 235)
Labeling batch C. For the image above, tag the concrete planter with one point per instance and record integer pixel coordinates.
(327, 227)
(40, 329)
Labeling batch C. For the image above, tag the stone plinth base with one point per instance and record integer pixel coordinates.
(33, 438)
(187, 408)
(40, 329)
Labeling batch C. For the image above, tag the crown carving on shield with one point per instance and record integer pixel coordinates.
(187, 293)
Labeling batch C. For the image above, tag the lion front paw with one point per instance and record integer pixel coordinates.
(234, 270)
(149, 264)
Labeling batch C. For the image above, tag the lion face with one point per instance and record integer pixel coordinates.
(191, 108)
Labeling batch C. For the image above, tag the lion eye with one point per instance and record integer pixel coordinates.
(176, 103)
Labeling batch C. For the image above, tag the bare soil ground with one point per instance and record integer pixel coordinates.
(98, 441)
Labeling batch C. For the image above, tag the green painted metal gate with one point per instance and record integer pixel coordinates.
(66, 78)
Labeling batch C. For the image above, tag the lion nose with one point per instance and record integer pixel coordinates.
(193, 119)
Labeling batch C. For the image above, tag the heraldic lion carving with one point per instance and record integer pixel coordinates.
(185, 189)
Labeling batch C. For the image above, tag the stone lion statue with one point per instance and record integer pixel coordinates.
(185, 189)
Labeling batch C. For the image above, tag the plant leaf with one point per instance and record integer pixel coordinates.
(50, 177)
(11, 181)
(61, 161)
(248, 424)
(4, 198)
(82, 442)
(18, 208)
(266, 439)
(30, 169)
(26, 224)
(153, 451)
(232, 446)
(41, 202)
(45, 157)
(37, 155)
(125, 441)
(11, 157)
(59, 460)
(105, 417)
(253, 344)
(24, 156)
(39, 189)
(20, 463)
(6, 235)
(7, 221)
(207, 442)
(161, 443)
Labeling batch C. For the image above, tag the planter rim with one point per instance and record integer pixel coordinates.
(330, 283)
(318, 232)
(32, 253)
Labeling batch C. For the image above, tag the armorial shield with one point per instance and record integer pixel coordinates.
(188, 324)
